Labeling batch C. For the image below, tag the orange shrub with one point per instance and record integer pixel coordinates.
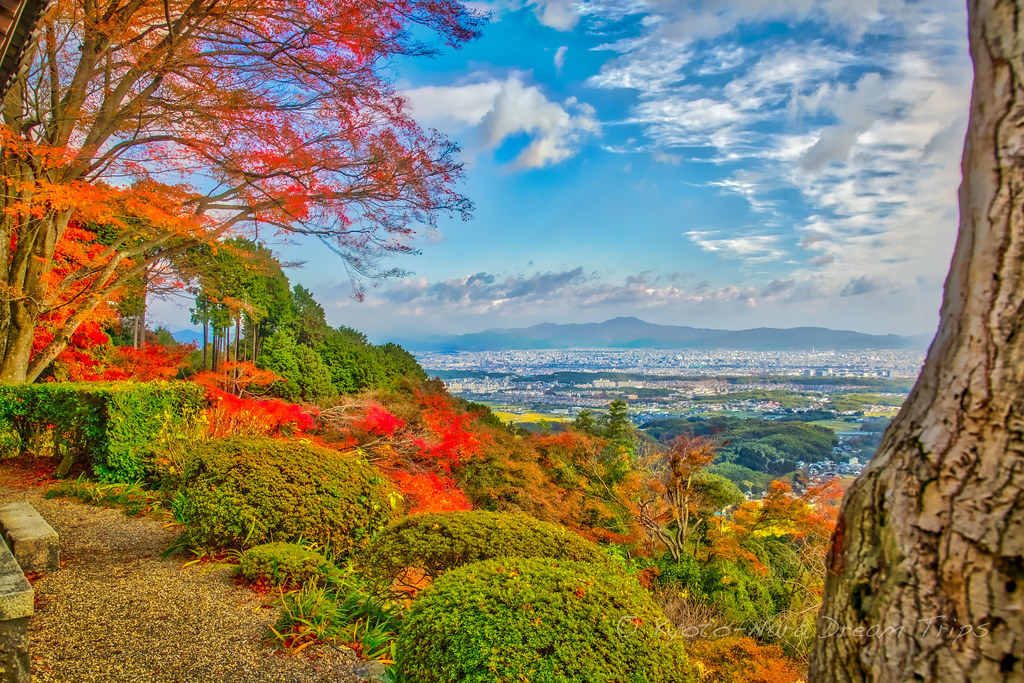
(739, 659)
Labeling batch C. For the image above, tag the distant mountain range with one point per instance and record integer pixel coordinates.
(187, 336)
(633, 333)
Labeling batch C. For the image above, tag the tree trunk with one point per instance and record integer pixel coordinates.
(142, 311)
(928, 554)
(238, 335)
(20, 331)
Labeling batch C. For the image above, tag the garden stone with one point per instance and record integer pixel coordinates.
(16, 607)
(33, 542)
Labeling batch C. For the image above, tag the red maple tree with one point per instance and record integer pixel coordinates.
(174, 123)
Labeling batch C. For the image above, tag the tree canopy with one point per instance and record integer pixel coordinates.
(175, 123)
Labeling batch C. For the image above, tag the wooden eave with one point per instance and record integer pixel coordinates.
(18, 22)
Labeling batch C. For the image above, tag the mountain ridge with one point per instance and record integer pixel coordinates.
(632, 332)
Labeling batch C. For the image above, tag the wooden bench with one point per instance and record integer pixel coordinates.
(33, 542)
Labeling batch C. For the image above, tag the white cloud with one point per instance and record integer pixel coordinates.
(866, 133)
(663, 157)
(562, 15)
(503, 109)
(560, 58)
(750, 248)
(575, 290)
(706, 19)
(646, 65)
(467, 104)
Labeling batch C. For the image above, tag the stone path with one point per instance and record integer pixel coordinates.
(117, 613)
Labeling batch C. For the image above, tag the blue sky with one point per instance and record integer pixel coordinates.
(725, 163)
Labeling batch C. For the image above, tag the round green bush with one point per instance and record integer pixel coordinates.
(433, 543)
(243, 491)
(538, 620)
(285, 564)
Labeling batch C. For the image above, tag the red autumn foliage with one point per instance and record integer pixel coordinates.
(290, 106)
(230, 415)
(739, 659)
(236, 377)
(151, 363)
(377, 420)
(449, 441)
(82, 358)
(420, 453)
(430, 493)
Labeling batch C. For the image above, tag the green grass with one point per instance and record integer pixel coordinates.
(345, 612)
(515, 418)
(838, 425)
(787, 399)
(134, 498)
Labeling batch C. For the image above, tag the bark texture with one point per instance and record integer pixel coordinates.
(928, 556)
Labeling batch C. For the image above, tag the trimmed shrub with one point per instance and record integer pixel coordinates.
(285, 564)
(243, 491)
(114, 427)
(431, 544)
(537, 620)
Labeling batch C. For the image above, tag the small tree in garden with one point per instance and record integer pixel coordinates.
(676, 497)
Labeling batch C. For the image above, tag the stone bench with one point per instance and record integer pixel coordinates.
(17, 604)
(33, 542)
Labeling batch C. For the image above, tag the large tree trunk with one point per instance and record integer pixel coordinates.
(930, 541)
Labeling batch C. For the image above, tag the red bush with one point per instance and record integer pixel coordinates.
(377, 420)
(231, 415)
(430, 493)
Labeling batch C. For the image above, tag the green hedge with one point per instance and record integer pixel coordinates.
(113, 427)
(242, 491)
(537, 620)
(434, 543)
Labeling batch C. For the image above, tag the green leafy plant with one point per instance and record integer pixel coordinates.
(428, 545)
(540, 620)
(342, 611)
(243, 491)
(285, 564)
(134, 498)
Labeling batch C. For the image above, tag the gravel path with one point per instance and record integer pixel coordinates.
(117, 613)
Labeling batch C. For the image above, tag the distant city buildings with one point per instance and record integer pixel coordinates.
(878, 363)
(655, 382)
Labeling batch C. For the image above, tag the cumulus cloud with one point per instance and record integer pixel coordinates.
(562, 15)
(484, 288)
(503, 109)
(578, 290)
(467, 104)
(707, 19)
(476, 301)
(866, 285)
